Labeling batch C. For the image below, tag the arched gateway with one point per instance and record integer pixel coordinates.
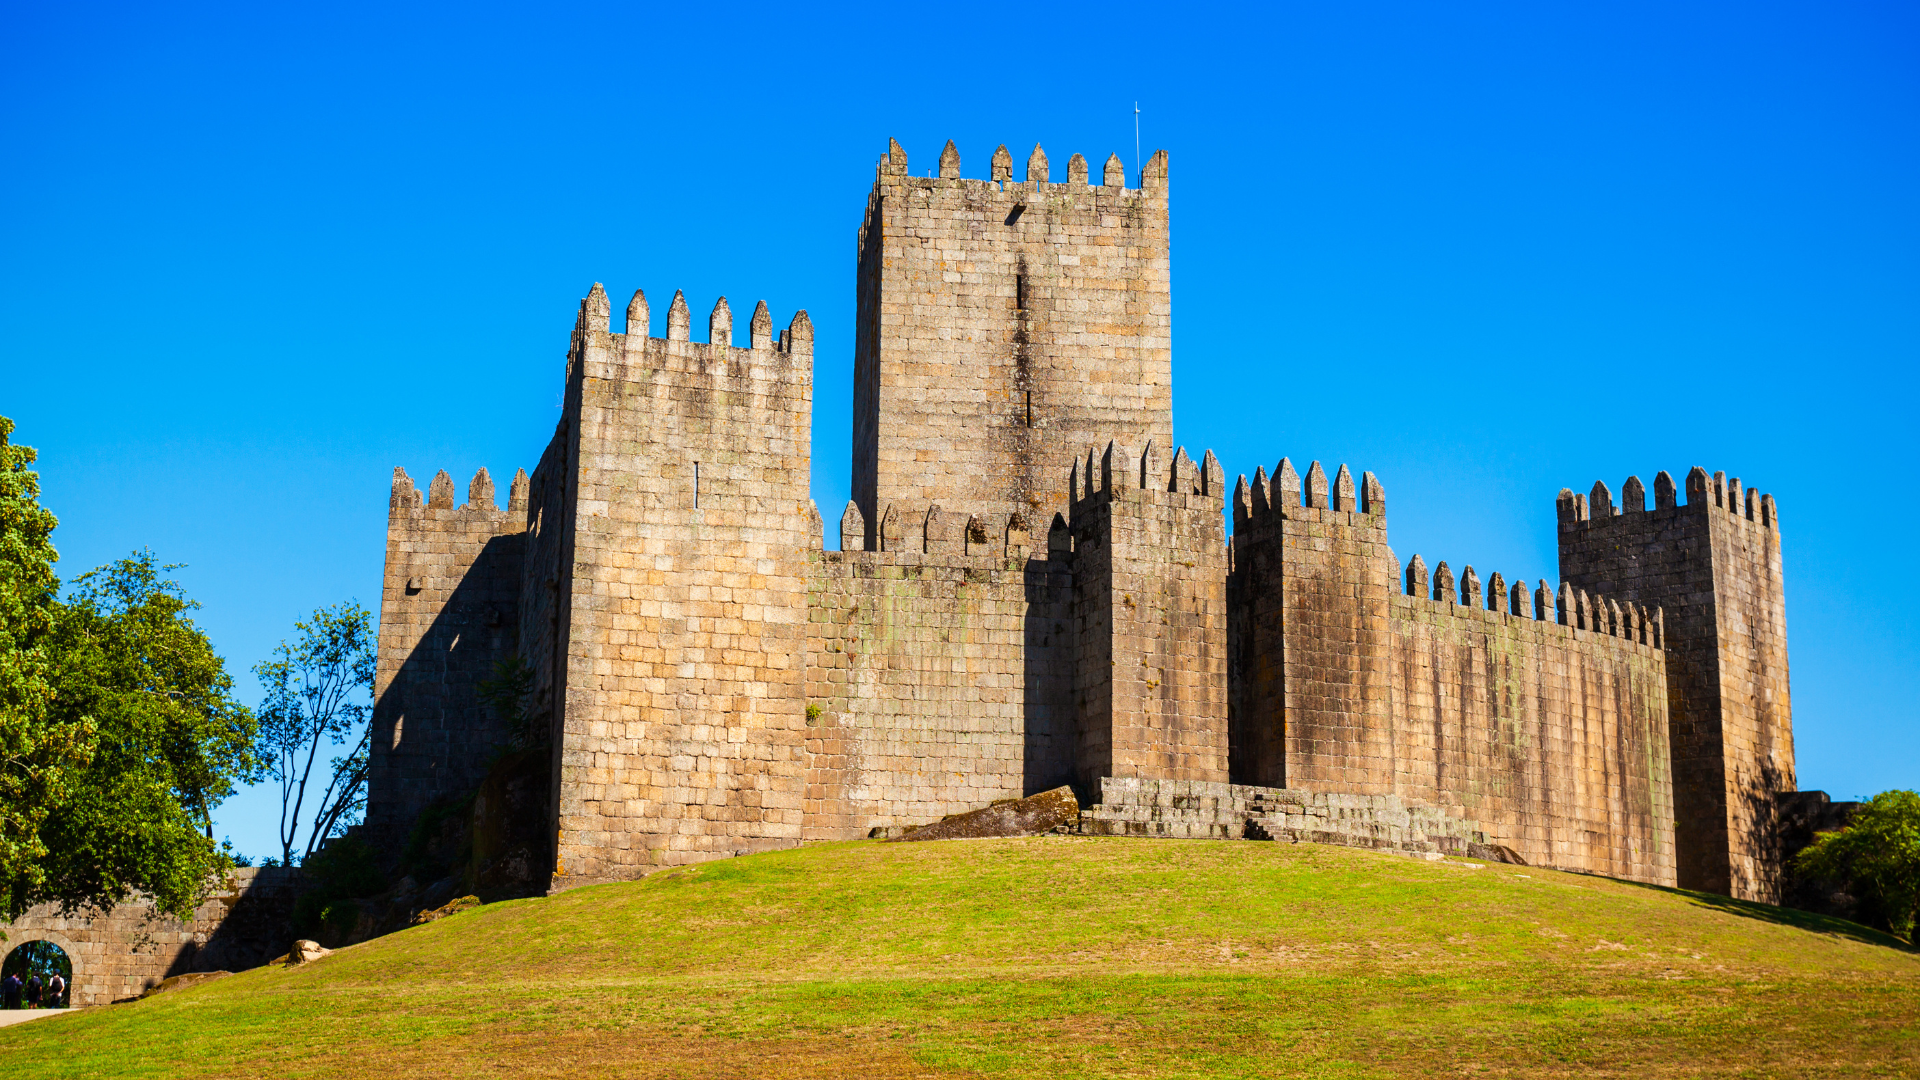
(123, 951)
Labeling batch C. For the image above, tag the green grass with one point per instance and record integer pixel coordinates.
(1058, 957)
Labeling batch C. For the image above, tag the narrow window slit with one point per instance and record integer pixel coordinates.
(696, 485)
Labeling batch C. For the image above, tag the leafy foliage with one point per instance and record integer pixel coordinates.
(37, 753)
(172, 743)
(342, 870)
(319, 691)
(1878, 857)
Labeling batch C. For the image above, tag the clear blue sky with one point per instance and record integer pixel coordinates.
(256, 256)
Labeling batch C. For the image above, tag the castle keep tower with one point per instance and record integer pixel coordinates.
(1003, 328)
(1713, 564)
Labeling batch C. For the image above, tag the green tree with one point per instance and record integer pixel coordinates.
(319, 691)
(37, 753)
(1878, 857)
(172, 743)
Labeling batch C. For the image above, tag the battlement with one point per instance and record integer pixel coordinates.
(1117, 475)
(892, 169)
(933, 529)
(1715, 491)
(1285, 495)
(763, 344)
(1574, 609)
(406, 498)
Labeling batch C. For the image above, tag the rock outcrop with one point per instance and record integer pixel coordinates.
(1030, 816)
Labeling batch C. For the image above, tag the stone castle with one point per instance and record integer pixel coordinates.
(1037, 588)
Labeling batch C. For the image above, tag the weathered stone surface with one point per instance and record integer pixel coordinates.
(306, 952)
(1030, 816)
(710, 682)
(182, 982)
(1712, 567)
(120, 953)
(451, 907)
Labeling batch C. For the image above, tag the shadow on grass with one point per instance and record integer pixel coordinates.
(1794, 917)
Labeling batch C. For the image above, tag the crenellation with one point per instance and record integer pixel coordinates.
(1002, 168)
(1316, 488)
(1286, 485)
(638, 320)
(679, 318)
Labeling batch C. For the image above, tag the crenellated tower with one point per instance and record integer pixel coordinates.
(1150, 618)
(449, 610)
(677, 649)
(1004, 326)
(1713, 564)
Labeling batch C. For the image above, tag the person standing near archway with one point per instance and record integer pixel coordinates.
(56, 991)
(33, 990)
(10, 990)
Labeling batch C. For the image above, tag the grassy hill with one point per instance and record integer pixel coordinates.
(1056, 957)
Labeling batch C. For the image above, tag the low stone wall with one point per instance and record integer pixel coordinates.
(121, 952)
(1199, 810)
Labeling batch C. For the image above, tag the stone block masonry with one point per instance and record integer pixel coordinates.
(1550, 736)
(1198, 810)
(683, 725)
(1035, 589)
(1005, 326)
(121, 952)
(1713, 565)
(1150, 618)
(449, 611)
(940, 682)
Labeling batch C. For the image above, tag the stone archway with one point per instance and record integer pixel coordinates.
(119, 953)
(18, 936)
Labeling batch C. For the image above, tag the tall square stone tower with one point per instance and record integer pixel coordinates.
(1004, 328)
(1713, 565)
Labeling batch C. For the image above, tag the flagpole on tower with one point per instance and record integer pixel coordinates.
(1138, 176)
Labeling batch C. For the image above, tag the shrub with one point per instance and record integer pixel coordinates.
(1878, 857)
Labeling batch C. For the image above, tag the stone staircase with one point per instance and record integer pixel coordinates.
(1199, 810)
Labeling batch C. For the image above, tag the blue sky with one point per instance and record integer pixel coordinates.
(253, 257)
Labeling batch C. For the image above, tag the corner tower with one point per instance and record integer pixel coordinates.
(1713, 564)
(1004, 327)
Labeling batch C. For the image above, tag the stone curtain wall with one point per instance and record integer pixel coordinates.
(449, 609)
(1150, 614)
(121, 952)
(1713, 564)
(1550, 736)
(684, 729)
(1005, 326)
(944, 681)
